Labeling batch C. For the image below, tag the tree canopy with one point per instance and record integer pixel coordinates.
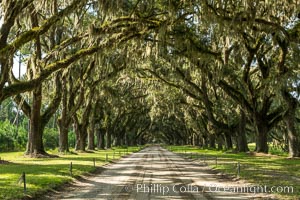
(213, 73)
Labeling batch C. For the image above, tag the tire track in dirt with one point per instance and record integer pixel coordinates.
(179, 182)
(136, 177)
(127, 189)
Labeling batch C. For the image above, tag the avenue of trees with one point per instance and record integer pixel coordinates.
(211, 73)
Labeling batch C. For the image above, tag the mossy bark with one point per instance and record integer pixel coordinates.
(100, 138)
(241, 134)
(290, 120)
(108, 139)
(35, 135)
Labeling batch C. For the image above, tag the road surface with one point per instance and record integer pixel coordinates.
(155, 173)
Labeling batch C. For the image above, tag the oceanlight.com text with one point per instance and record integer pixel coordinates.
(180, 188)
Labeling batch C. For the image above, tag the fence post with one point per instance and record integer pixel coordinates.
(24, 181)
(238, 169)
(71, 168)
(106, 158)
(94, 160)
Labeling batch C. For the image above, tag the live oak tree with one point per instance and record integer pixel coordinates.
(116, 32)
(229, 70)
(266, 34)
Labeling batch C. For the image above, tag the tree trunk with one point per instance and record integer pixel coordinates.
(108, 139)
(35, 135)
(63, 122)
(63, 136)
(80, 137)
(262, 136)
(212, 141)
(241, 137)
(91, 135)
(82, 142)
(293, 138)
(228, 141)
(205, 142)
(220, 142)
(77, 135)
(118, 141)
(126, 139)
(100, 139)
(290, 119)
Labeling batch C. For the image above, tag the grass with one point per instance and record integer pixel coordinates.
(43, 174)
(261, 170)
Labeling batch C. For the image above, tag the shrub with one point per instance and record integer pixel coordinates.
(12, 138)
(50, 138)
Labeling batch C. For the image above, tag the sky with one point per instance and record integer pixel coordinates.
(16, 58)
(16, 67)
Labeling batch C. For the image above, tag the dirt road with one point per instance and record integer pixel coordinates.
(155, 173)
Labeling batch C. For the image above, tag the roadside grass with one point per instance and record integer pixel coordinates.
(260, 170)
(43, 174)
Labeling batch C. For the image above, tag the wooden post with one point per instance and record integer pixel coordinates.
(94, 160)
(106, 158)
(71, 168)
(24, 181)
(238, 169)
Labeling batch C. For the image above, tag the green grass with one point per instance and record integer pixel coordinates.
(269, 170)
(43, 174)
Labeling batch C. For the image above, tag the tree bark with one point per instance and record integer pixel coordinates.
(91, 133)
(220, 142)
(118, 141)
(241, 137)
(205, 142)
(108, 139)
(81, 136)
(101, 140)
(63, 121)
(212, 141)
(35, 135)
(262, 136)
(82, 142)
(290, 119)
(63, 136)
(228, 141)
(77, 135)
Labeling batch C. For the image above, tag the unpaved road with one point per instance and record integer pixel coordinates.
(155, 173)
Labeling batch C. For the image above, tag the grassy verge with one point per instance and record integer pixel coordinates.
(43, 174)
(261, 170)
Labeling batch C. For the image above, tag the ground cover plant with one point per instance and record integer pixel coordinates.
(258, 169)
(45, 173)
